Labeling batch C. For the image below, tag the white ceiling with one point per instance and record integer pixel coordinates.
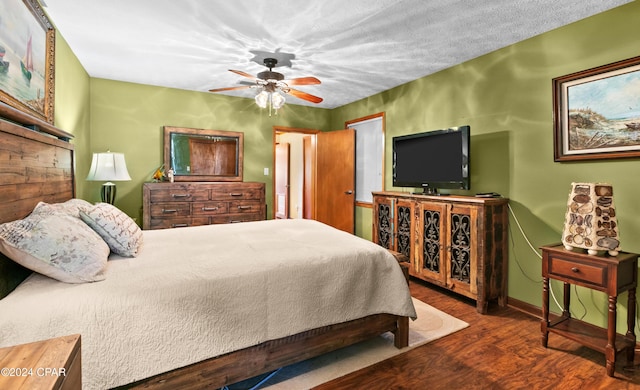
(357, 48)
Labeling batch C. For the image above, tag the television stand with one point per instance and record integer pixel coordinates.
(453, 241)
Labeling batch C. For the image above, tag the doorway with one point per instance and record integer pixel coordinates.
(293, 178)
(317, 179)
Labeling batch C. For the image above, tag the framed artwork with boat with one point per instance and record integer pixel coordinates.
(597, 112)
(27, 58)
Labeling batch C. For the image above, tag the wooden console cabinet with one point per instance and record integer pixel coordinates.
(609, 274)
(169, 205)
(457, 242)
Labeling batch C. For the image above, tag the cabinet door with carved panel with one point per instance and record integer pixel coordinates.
(383, 221)
(462, 243)
(404, 227)
(431, 231)
(393, 224)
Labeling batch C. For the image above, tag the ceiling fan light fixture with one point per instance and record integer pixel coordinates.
(277, 100)
(262, 99)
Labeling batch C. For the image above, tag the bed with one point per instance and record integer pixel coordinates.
(169, 318)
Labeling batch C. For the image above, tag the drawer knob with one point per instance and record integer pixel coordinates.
(168, 211)
(209, 208)
(575, 269)
(236, 194)
(244, 207)
(181, 195)
(177, 225)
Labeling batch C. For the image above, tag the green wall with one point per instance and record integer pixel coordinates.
(505, 97)
(71, 106)
(128, 118)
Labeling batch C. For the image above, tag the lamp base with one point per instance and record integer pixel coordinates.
(108, 193)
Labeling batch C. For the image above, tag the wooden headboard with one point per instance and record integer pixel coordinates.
(36, 164)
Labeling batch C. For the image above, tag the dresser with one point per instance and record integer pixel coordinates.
(456, 242)
(170, 205)
(609, 274)
(47, 365)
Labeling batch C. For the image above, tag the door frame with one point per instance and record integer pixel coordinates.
(280, 130)
(284, 148)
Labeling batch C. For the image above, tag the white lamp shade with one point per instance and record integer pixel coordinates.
(277, 100)
(108, 167)
(262, 99)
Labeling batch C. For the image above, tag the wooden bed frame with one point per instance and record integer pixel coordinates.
(37, 164)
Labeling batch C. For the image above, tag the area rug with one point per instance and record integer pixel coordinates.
(431, 324)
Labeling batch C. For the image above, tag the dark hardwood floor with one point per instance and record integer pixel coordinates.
(499, 350)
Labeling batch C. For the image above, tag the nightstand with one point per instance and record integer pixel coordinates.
(48, 364)
(609, 274)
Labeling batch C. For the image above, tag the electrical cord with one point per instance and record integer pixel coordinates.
(515, 256)
(257, 385)
(575, 290)
(534, 251)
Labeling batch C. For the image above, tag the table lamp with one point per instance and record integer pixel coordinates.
(108, 167)
(591, 222)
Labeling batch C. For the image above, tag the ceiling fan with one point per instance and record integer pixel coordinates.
(271, 83)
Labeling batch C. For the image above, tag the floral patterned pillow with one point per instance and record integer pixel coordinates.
(70, 207)
(116, 228)
(56, 245)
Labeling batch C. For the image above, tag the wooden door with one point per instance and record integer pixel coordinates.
(308, 179)
(282, 181)
(335, 179)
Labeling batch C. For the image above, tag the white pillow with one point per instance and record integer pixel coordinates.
(116, 228)
(70, 207)
(56, 245)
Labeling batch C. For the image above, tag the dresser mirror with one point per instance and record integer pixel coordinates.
(203, 155)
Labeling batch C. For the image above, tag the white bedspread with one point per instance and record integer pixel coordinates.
(194, 293)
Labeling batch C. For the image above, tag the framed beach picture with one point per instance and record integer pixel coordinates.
(27, 54)
(597, 112)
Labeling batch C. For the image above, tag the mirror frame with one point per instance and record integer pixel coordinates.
(168, 130)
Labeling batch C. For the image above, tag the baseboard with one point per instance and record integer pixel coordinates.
(525, 307)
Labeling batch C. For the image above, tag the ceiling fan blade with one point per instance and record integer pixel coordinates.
(244, 74)
(303, 81)
(230, 88)
(304, 96)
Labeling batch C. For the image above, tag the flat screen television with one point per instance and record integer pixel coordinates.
(432, 160)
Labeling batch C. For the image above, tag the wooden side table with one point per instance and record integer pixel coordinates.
(611, 275)
(48, 364)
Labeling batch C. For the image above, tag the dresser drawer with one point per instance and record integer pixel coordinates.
(235, 192)
(210, 208)
(219, 219)
(168, 223)
(594, 274)
(170, 209)
(178, 194)
(245, 207)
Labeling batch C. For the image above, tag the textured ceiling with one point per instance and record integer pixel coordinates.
(356, 48)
